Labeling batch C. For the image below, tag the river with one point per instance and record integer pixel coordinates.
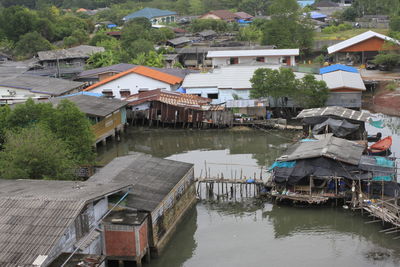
(252, 233)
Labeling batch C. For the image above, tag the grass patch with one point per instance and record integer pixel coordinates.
(343, 35)
(391, 86)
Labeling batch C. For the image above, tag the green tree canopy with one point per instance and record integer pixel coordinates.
(310, 93)
(30, 44)
(35, 153)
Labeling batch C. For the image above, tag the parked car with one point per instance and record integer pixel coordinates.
(370, 65)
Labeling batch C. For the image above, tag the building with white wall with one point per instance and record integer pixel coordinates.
(131, 81)
(268, 56)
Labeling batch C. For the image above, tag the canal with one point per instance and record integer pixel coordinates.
(252, 233)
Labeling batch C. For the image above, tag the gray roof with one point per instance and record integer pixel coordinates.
(330, 147)
(206, 33)
(81, 51)
(34, 215)
(124, 67)
(205, 49)
(40, 84)
(343, 79)
(152, 178)
(93, 105)
(179, 40)
(340, 112)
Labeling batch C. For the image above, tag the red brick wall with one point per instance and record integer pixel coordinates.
(143, 236)
(120, 243)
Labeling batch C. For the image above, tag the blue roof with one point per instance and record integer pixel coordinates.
(336, 67)
(181, 90)
(316, 15)
(149, 13)
(306, 3)
(83, 93)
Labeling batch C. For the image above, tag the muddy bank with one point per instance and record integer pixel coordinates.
(383, 101)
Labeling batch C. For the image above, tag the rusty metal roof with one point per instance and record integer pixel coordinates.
(340, 112)
(167, 97)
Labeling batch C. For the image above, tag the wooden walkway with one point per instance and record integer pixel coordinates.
(269, 124)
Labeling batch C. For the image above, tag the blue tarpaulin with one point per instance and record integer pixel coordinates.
(382, 178)
(110, 26)
(83, 93)
(317, 15)
(337, 67)
(283, 164)
(376, 124)
(181, 90)
(384, 162)
(307, 140)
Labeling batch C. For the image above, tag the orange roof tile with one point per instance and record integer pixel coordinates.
(141, 70)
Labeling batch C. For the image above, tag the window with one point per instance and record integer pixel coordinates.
(108, 93)
(125, 93)
(260, 59)
(234, 60)
(212, 96)
(81, 225)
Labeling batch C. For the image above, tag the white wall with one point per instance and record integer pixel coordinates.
(224, 61)
(223, 94)
(133, 82)
(20, 93)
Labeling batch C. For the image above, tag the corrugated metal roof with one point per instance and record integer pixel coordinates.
(331, 147)
(343, 79)
(179, 40)
(40, 84)
(222, 14)
(337, 67)
(149, 13)
(253, 53)
(81, 51)
(204, 49)
(172, 98)
(93, 105)
(231, 77)
(340, 112)
(34, 215)
(359, 38)
(152, 178)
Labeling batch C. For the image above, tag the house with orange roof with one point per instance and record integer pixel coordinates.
(136, 79)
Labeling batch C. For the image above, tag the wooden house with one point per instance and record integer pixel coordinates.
(163, 190)
(108, 116)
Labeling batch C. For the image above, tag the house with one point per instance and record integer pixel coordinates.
(19, 88)
(131, 81)
(345, 88)
(337, 67)
(70, 58)
(303, 3)
(362, 47)
(317, 16)
(100, 74)
(43, 219)
(244, 16)
(108, 116)
(341, 122)
(164, 191)
(179, 42)
(225, 15)
(207, 34)
(226, 83)
(267, 56)
(160, 106)
(195, 56)
(155, 15)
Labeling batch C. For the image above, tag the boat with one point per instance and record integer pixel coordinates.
(381, 148)
(374, 138)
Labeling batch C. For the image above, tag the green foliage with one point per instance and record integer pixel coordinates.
(250, 34)
(66, 122)
(102, 59)
(255, 7)
(392, 86)
(373, 7)
(307, 92)
(287, 29)
(349, 14)
(199, 25)
(338, 28)
(310, 93)
(77, 37)
(16, 21)
(30, 43)
(35, 153)
(390, 58)
(151, 59)
(100, 37)
(319, 59)
(394, 24)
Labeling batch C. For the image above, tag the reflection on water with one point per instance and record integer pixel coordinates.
(252, 233)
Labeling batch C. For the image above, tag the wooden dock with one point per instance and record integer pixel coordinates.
(280, 124)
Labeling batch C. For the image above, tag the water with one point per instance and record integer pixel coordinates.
(251, 233)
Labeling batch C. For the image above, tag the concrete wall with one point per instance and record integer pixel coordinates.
(223, 94)
(134, 82)
(163, 20)
(344, 99)
(224, 61)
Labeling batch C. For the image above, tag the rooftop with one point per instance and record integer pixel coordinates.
(336, 67)
(149, 13)
(205, 49)
(243, 15)
(144, 71)
(152, 178)
(179, 40)
(40, 84)
(330, 147)
(253, 53)
(81, 51)
(222, 14)
(172, 98)
(343, 79)
(34, 215)
(358, 39)
(340, 112)
(93, 105)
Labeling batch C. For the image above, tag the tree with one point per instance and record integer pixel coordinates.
(77, 37)
(349, 14)
(310, 93)
(100, 37)
(137, 47)
(273, 83)
(394, 23)
(16, 21)
(101, 59)
(30, 44)
(35, 153)
(152, 59)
